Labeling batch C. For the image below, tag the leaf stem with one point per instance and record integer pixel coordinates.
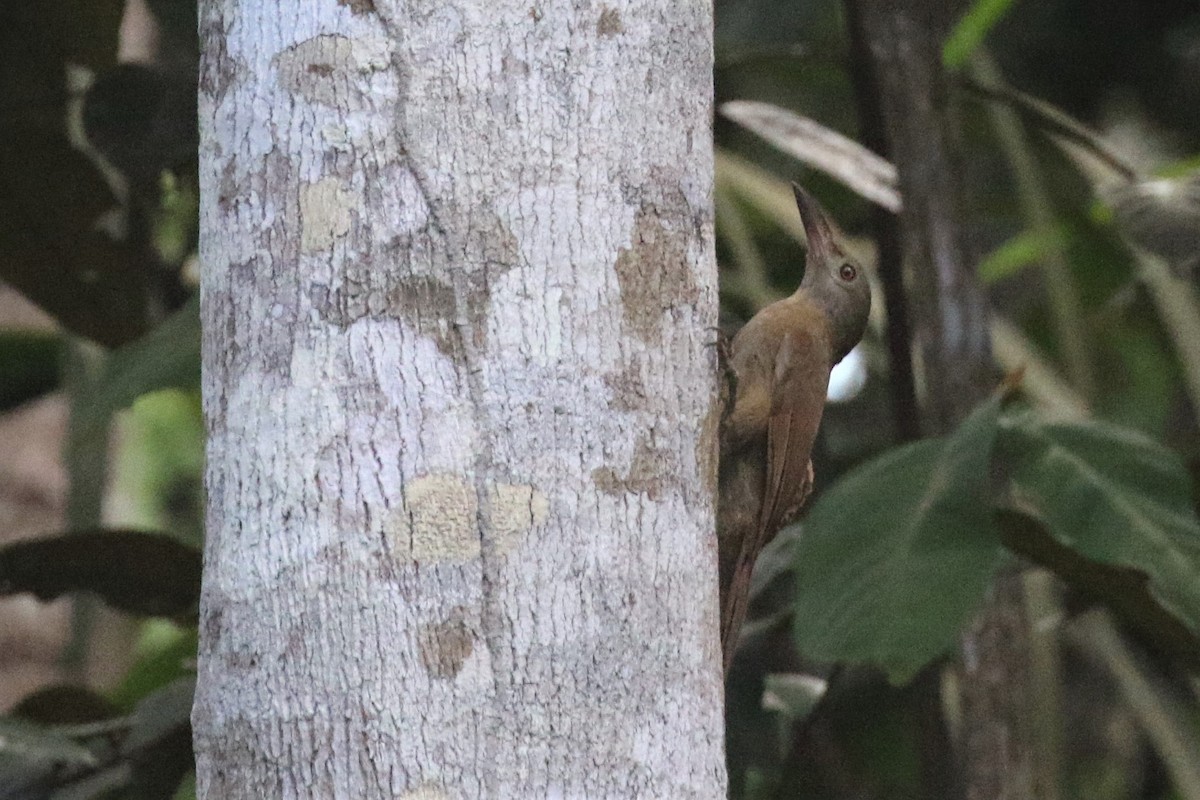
(86, 458)
(1173, 739)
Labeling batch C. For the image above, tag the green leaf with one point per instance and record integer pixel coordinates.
(159, 744)
(166, 357)
(1179, 169)
(170, 656)
(64, 704)
(187, 788)
(971, 30)
(896, 556)
(1116, 504)
(95, 785)
(1028, 247)
(160, 715)
(31, 742)
(137, 572)
(29, 365)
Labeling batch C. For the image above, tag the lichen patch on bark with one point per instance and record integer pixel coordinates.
(332, 70)
(628, 390)
(359, 6)
(610, 22)
(645, 475)
(653, 273)
(513, 510)
(324, 213)
(447, 644)
(438, 521)
(428, 305)
(424, 302)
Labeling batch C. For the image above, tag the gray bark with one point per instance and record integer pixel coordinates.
(458, 299)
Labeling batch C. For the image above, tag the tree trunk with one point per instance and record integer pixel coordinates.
(902, 41)
(458, 300)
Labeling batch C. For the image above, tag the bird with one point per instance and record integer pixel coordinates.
(778, 368)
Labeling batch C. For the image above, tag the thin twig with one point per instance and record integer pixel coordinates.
(1173, 738)
(1047, 117)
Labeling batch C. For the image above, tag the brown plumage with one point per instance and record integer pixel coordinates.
(781, 361)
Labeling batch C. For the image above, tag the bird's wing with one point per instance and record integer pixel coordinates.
(797, 402)
(800, 383)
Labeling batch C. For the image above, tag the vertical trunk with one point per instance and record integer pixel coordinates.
(457, 298)
(949, 323)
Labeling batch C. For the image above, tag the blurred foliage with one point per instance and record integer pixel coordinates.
(29, 362)
(97, 222)
(971, 31)
(1091, 474)
(133, 571)
(840, 688)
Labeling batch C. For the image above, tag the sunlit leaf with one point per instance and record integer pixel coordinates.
(1027, 247)
(166, 357)
(94, 785)
(820, 147)
(794, 695)
(971, 30)
(160, 666)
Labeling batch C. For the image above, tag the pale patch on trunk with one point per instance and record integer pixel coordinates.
(458, 287)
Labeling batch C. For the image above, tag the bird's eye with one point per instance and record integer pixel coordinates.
(848, 272)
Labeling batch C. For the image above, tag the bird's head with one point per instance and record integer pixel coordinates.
(833, 280)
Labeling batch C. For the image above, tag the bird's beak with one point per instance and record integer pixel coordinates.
(817, 226)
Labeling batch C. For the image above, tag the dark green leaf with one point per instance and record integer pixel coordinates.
(142, 119)
(29, 366)
(896, 556)
(160, 741)
(51, 248)
(160, 714)
(30, 742)
(1117, 514)
(94, 785)
(187, 787)
(1123, 589)
(64, 705)
(137, 572)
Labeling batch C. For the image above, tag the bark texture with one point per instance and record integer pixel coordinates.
(950, 331)
(458, 300)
